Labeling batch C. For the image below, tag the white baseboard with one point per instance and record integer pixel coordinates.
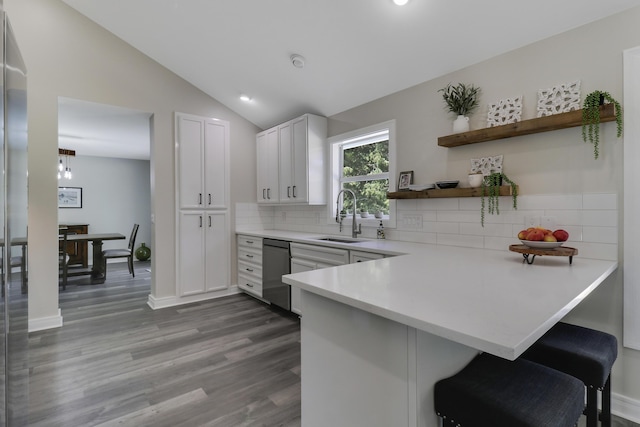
(625, 407)
(157, 303)
(43, 323)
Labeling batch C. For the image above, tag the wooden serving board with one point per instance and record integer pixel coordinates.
(559, 251)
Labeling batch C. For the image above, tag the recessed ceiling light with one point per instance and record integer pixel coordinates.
(245, 98)
(401, 2)
(297, 60)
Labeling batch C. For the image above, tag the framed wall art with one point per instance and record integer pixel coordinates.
(405, 180)
(70, 197)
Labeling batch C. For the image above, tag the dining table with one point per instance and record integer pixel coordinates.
(99, 267)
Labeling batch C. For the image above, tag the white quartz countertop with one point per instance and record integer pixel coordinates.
(486, 299)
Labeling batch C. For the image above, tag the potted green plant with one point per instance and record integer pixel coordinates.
(461, 100)
(491, 190)
(591, 117)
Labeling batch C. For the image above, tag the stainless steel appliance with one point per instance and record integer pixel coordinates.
(276, 262)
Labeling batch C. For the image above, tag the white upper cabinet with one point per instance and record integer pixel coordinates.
(300, 150)
(267, 155)
(202, 151)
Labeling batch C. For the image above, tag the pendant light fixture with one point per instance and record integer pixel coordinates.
(64, 156)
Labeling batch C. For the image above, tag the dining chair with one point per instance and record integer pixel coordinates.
(63, 258)
(122, 253)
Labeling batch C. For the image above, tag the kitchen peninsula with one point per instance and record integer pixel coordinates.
(377, 335)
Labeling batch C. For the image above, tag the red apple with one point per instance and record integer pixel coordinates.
(523, 235)
(561, 235)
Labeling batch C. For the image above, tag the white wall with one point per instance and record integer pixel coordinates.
(116, 193)
(68, 55)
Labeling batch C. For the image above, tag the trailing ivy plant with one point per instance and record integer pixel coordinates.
(491, 189)
(461, 99)
(591, 118)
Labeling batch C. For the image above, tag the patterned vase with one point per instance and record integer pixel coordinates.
(143, 253)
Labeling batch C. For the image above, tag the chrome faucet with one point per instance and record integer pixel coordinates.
(356, 228)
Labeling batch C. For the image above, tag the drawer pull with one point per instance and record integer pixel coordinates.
(250, 242)
(250, 285)
(250, 270)
(249, 256)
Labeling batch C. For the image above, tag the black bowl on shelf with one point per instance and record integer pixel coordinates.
(447, 184)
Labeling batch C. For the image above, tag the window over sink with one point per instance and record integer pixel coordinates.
(363, 161)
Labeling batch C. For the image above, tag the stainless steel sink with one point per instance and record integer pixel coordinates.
(339, 240)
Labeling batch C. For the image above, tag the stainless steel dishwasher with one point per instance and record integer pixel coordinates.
(276, 262)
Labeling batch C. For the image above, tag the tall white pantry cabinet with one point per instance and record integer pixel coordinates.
(202, 200)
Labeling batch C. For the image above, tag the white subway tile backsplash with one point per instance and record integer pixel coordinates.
(600, 218)
(550, 202)
(600, 201)
(600, 234)
(591, 220)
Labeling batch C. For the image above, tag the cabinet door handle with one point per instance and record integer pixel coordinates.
(209, 199)
(209, 221)
(294, 192)
(250, 285)
(249, 256)
(289, 192)
(269, 193)
(264, 190)
(199, 198)
(250, 270)
(200, 221)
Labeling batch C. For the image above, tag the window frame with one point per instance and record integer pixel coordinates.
(352, 138)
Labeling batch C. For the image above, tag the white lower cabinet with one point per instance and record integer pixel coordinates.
(250, 264)
(359, 256)
(310, 257)
(203, 252)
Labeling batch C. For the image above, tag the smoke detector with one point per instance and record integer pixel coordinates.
(297, 61)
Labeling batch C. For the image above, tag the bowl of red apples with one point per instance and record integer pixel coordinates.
(542, 238)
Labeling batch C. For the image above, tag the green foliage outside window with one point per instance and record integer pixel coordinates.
(363, 161)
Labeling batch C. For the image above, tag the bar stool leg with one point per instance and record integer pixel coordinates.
(592, 407)
(605, 416)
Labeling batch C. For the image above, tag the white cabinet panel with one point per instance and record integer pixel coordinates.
(191, 253)
(267, 166)
(300, 160)
(215, 173)
(202, 159)
(217, 251)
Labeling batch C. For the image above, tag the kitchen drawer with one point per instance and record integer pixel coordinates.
(249, 241)
(251, 270)
(250, 255)
(358, 256)
(250, 284)
(323, 254)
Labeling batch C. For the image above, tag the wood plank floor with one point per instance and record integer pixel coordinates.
(233, 361)
(229, 362)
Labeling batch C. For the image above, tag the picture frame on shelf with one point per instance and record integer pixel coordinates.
(70, 197)
(405, 180)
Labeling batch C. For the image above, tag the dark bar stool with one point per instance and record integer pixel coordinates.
(585, 354)
(491, 391)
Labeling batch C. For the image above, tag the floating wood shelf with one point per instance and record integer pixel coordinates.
(525, 127)
(505, 190)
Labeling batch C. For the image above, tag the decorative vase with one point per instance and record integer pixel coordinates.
(364, 214)
(461, 124)
(475, 180)
(143, 253)
(378, 214)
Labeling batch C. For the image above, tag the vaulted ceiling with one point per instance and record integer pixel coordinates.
(355, 51)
